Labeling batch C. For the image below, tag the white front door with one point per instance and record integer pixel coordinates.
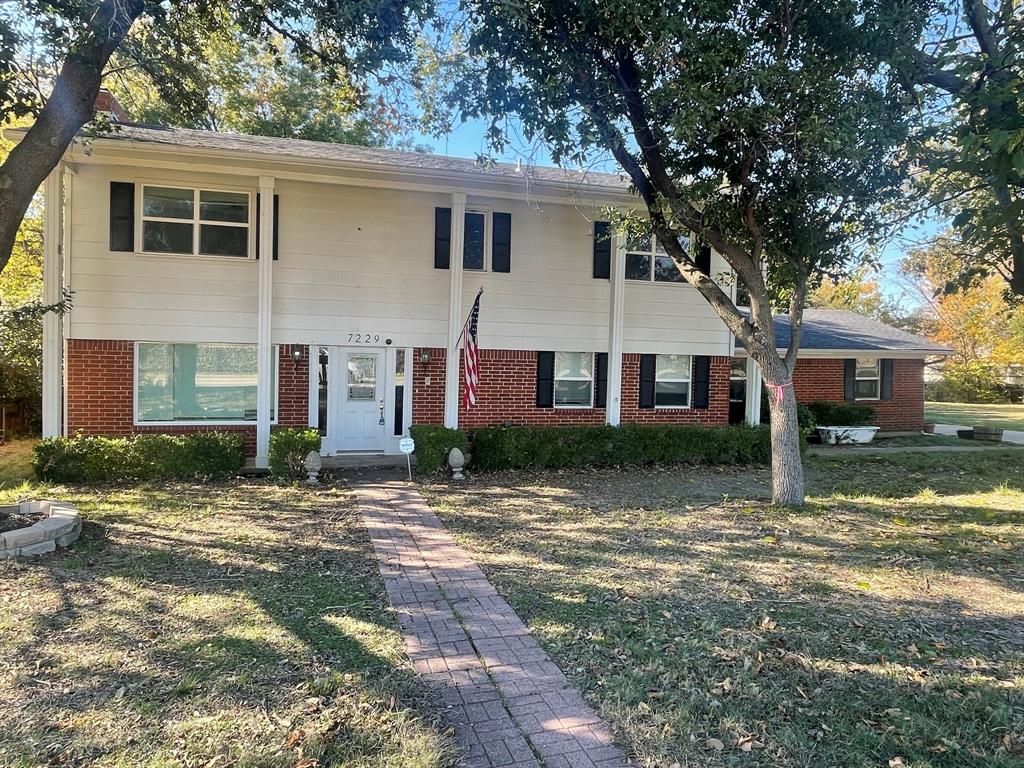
(358, 423)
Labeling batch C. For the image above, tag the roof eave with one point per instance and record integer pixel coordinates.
(121, 150)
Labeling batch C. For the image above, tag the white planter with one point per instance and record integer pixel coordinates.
(847, 435)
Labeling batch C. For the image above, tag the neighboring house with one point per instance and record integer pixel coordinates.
(847, 357)
(240, 282)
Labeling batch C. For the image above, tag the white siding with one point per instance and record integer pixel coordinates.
(121, 295)
(359, 260)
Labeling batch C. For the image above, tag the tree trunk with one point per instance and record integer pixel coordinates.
(787, 464)
(69, 107)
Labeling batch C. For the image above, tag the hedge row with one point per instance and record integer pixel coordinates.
(553, 447)
(497, 448)
(433, 444)
(141, 457)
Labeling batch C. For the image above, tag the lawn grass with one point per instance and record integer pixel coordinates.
(16, 462)
(976, 414)
(880, 626)
(918, 441)
(208, 625)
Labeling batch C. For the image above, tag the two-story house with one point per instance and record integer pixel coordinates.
(240, 282)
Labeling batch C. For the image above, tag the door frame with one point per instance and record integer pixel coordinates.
(390, 442)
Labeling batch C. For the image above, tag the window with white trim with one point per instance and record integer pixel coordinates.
(672, 381)
(475, 245)
(200, 383)
(646, 260)
(196, 222)
(867, 382)
(574, 379)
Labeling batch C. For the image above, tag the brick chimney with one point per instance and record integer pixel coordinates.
(107, 104)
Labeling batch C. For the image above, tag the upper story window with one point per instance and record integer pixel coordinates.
(672, 381)
(199, 222)
(646, 260)
(867, 384)
(574, 379)
(474, 246)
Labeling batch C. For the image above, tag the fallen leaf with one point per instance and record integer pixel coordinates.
(716, 744)
(896, 762)
(294, 738)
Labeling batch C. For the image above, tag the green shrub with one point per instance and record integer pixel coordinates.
(828, 414)
(289, 447)
(805, 419)
(90, 460)
(433, 444)
(497, 448)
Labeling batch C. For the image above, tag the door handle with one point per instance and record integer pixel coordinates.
(381, 422)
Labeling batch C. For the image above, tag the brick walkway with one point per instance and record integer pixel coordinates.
(509, 704)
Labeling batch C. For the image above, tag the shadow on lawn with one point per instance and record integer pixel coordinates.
(273, 619)
(844, 635)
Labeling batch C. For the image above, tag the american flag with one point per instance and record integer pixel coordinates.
(471, 360)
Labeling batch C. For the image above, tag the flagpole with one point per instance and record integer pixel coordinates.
(459, 340)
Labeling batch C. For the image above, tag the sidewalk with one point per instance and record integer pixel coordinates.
(509, 704)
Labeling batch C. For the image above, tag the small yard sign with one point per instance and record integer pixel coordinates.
(407, 445)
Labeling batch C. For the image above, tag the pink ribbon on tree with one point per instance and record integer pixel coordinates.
(775, 391)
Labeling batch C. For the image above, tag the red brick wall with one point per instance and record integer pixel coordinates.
(100, 376)
(508, 392)
(822, 379)
(718, 398)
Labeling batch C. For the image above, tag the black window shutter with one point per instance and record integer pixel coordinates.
(122, 216)
(442, 237)
(648, 369)
(545, 379)
(850, 379)
(704, 258)
(701, 381)
(601, 374)
(501, 242)
(277, 229)
(602, 250)
(277, 210)
(886, 383)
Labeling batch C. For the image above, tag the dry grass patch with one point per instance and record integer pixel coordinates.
(214, 626)
(882, 623)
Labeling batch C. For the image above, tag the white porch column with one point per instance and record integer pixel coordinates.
(613, 406)
(753, 410)
(455, 318)
(53, 344)
(264, 349)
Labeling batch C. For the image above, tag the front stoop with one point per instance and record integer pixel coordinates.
(508, 702)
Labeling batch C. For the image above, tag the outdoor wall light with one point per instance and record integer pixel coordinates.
(425, 357)
(296, 354)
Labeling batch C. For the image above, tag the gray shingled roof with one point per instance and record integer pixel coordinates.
(348, 153)
(841, 329)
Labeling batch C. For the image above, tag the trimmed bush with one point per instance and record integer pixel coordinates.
(433, 444)
(289, 447)
(497, 448)
(90, 460)
(827, 414)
